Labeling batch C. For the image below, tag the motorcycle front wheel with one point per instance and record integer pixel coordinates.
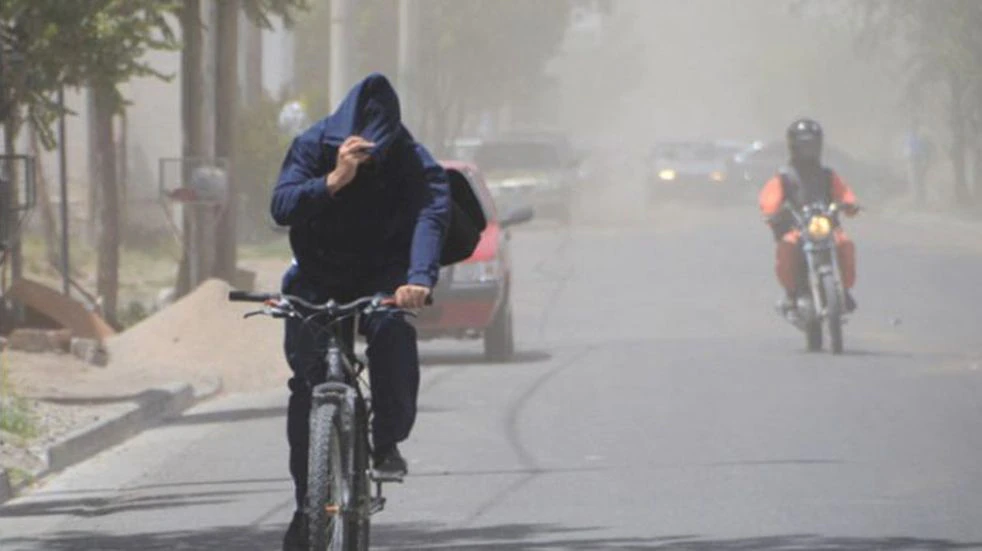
(833, 306)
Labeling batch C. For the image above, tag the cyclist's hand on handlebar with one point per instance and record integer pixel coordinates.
(411, 297)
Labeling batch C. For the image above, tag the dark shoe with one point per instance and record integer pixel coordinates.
(297, 538)
(850, 303)
(389, 465)
(784, 305)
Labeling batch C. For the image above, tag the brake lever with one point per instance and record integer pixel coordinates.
(271, 311)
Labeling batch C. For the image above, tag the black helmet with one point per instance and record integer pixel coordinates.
(805, 138)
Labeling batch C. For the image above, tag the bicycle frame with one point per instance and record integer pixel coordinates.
(342, 383)
(343, 388)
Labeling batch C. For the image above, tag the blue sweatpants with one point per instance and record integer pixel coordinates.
(393, 366)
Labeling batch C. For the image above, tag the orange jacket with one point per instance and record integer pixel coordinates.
(772, 196)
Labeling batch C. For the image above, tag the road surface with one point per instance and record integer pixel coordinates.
(657, 402)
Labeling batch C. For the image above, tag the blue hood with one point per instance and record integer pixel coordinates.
(370, 110)
(394, 214)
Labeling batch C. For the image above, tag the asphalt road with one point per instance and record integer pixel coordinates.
(657, 403)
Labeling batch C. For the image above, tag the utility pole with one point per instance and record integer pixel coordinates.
(340, 68)
(408, 59)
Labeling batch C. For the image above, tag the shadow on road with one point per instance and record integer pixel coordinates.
(100, 507)
(429, 359)
(145, 397)
(231, 415)
(507, 537)
(545, 536)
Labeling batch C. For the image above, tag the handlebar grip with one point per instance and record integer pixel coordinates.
(246, 296)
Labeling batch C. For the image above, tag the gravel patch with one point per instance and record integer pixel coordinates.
(53, 421)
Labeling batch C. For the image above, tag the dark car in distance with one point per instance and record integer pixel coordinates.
(689, 169)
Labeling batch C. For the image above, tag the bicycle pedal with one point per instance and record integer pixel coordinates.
(387, 477)
(377, 505)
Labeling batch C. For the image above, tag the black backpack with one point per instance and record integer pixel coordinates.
(467, 221)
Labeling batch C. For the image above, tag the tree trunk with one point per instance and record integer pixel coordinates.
(226, 98)
(123, 170)
(14, 258)
(95, 193)
(107, 278)
(49, 228)
(192, 100)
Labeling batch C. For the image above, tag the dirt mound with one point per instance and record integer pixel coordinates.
(202, 336)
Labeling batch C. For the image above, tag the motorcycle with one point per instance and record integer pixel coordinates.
(824, 303)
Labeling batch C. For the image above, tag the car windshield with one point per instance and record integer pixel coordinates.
(688, 152)
(517, 156)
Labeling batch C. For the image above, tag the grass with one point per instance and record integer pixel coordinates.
(18, 476)
(16, 416)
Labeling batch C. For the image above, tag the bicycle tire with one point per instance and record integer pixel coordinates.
(360, 525)
(328, 482)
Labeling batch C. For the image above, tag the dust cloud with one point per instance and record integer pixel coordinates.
(718, 70)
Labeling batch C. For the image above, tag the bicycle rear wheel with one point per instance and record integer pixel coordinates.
(329, 482)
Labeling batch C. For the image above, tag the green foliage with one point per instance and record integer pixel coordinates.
(78, 43)
(16, 416)
(260, 146)
(259, 11)
(19, 476)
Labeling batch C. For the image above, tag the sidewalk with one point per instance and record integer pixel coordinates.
(190, 351)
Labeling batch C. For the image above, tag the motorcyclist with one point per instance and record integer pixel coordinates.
(805, 181)
(368, 210)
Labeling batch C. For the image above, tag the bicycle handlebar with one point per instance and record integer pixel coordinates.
(286, 304)
(246, 296)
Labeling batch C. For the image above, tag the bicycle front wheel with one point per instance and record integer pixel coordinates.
(329, 483)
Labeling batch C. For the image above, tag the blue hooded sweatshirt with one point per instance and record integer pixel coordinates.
(393, 215)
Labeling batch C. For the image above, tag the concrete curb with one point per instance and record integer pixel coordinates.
(151, 408)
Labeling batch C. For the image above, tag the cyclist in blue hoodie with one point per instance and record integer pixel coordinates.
(368, 209)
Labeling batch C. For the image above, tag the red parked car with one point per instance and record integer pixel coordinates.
(473, 298)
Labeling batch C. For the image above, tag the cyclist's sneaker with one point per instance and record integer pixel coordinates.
(389, 465)
(296, 538)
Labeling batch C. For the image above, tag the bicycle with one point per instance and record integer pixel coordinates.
(340, 501)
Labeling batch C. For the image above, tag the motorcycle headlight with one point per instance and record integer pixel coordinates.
(717, 176)
(477, 272)
(819, 227)
(668, 175)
